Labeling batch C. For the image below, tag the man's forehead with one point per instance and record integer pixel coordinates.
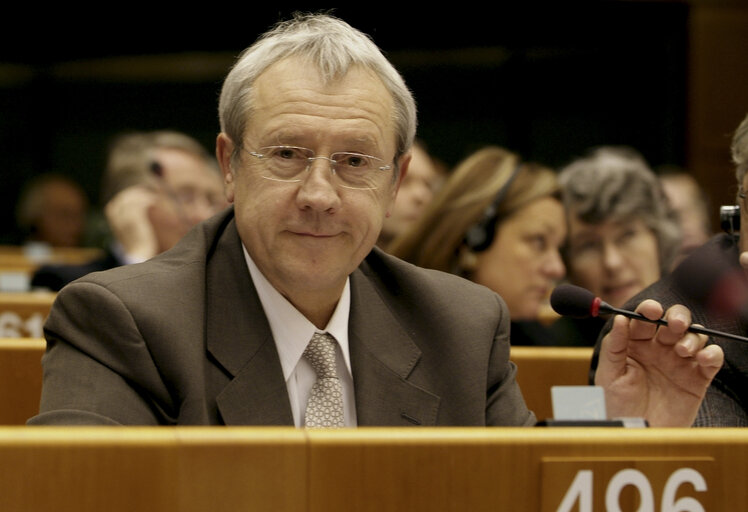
(290, 102)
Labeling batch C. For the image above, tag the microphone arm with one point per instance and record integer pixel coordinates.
(599, 305)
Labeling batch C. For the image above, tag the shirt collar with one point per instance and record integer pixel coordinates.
(291, 329)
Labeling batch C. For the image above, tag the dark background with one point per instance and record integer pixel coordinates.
(546, 80)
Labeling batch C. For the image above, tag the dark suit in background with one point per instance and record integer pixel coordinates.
(54, 277)
(182, 340)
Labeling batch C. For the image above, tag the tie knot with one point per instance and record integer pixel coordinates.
(321, 355)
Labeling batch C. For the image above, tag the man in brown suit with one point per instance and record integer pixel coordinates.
(316, 132)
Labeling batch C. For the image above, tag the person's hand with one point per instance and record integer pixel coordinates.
(744, 260)
(128, 216)
(659, 373)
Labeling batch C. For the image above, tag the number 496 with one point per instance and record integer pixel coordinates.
(580, 491)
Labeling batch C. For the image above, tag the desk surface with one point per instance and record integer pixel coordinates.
(366, 469)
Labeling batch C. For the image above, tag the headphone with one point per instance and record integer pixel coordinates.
(480, 236)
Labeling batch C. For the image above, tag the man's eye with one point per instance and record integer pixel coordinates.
(354, 161)
(287, 153)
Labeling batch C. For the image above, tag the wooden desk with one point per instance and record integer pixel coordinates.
(21, 257)
(23, 314)
(418, 469)
(20, 379)
(539, 368)
(18, 263)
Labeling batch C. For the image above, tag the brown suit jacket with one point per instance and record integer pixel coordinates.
(182, 340)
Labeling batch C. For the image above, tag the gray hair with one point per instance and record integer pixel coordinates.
(739, 150)
(615, 183)
(333, 47)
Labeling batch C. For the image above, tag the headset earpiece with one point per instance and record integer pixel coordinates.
(479, 237)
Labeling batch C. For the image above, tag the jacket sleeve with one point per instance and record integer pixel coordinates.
(97, 366)
(505, 405)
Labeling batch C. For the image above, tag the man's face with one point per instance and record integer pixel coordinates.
(308, 236)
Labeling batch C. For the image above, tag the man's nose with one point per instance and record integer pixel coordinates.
(318, 190)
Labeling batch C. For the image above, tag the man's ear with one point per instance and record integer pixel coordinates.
(403, 170)
(224, 151)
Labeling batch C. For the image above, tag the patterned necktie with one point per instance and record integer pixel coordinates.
(325, 406)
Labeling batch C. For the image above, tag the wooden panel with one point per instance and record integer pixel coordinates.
(125, 469)
(23, 314)
(20, 379)
(502, 469)
(367, 469)
(539, 368)
(27, 259)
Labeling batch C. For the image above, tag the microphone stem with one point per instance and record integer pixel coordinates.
(691, 328)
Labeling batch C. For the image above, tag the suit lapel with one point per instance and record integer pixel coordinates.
(383, 356)
(240, 341)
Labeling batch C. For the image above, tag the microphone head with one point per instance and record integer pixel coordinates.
(574, 301)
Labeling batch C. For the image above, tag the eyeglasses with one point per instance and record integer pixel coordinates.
(351, 170)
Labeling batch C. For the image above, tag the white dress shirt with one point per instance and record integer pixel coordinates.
(292, 332)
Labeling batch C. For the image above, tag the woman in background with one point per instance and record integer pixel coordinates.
(499, 222)
(623, 235)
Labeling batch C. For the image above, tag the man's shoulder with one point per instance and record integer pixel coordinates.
(409, 283)
(55, 276)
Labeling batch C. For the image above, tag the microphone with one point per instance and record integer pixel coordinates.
(577, 302)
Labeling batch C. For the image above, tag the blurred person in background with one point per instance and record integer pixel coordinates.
(499, 222)
(156, 186)
(52, 210)
(425, 175)
(623, 235)
(691, 205)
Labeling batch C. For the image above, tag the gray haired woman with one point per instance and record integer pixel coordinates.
(622, 233)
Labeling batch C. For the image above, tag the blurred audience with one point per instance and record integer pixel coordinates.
(499, 222)
(623, 235)
(156, 186)
(691, 205)
(425, 175)
(52, 210)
